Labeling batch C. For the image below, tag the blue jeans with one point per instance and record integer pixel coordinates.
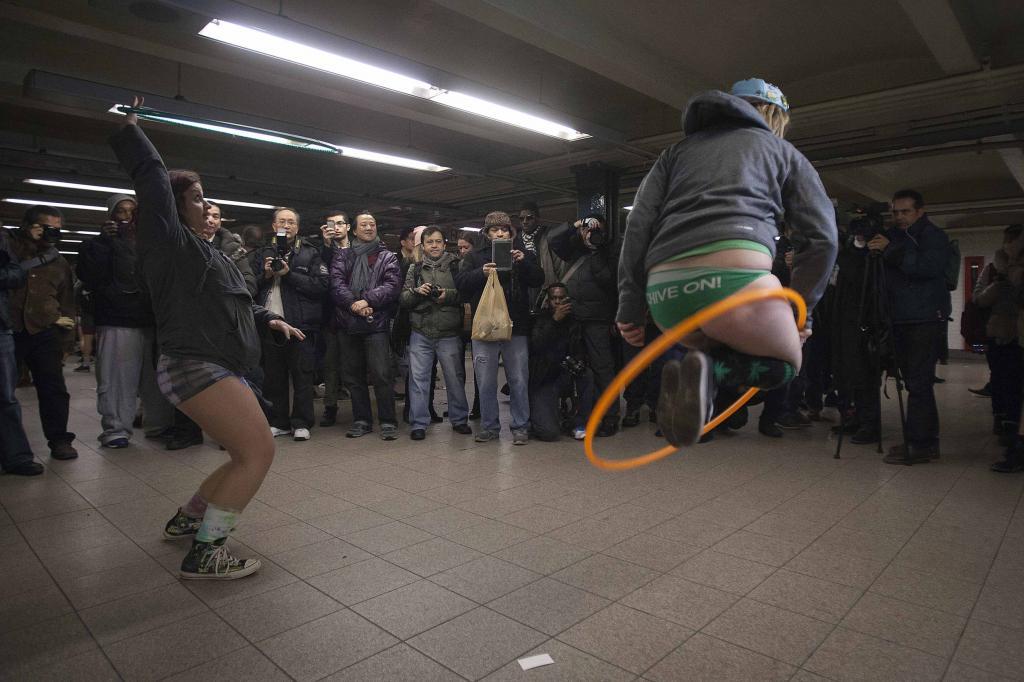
(14, 447)
(516, 356)
(422, 354)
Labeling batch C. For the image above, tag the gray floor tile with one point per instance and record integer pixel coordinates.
(849, 655)
(548, 606)
(689, 531)
(142, 612)
(364, 580)
(543, 554)
(350, 521)
(99, 588)
(432, 556)
(607, 576)
(326, 645)
(477, 643)
(540, 519)
(991, 648)
(306, 507)
(769, 630)
(807, 595)
(148, 656)
(485, 578)
(218, 593)
(25, 650)
(827, 563)
(627, 638)
(243, 665)
(284, 608)
(707, 658)
(31, 607)
(411, 609)
(760, 548)
(443, 521)
(387, 538)
(283, 538)
(570, 665)
(652, 551)
(397, 663)
(490, 536)
(680, 601)
(91, 666)
(907, 624)
(1001, 606)
(404, 506)
(943, 593)
(320, 557)
(724, 571)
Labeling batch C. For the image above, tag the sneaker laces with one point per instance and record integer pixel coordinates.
(221, 559)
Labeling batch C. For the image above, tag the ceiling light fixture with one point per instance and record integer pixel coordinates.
(470, 229)
(628, 208)
(56, 204)
(122, 190)
(275, 137)
(270, 45)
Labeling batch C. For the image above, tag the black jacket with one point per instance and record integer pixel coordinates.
(230, 244)
(327, 254)
(203, 310)
(516, 283)
(915, 273)
(593, 285)
(551, 342)
(302, 290)
(11, 277)
(107, 268)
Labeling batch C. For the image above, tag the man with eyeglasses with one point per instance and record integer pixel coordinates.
(915, 254)
(333, 238)
(293, 284)
(42, 316)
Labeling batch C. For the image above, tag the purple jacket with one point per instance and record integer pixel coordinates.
(382, 293)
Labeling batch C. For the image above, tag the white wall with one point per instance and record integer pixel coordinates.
(973, 242)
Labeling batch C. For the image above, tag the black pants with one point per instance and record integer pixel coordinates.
(14, 447)
(368, 355)
(917, 347)
(43, 353)
(597, 341)
(1007, 363)
(295, 360)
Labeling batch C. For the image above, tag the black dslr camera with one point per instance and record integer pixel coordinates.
(574, 366)
(281, 251)
(597, 235)
(867, 227)
(435, 291)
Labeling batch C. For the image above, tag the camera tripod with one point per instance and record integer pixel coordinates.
(875, 321)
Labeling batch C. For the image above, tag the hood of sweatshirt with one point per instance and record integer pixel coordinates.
(715, 108)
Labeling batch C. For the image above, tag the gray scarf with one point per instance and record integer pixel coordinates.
(361, 268)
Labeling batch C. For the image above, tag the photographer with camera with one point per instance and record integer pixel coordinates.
(125, 330)
(915, 255)
(591, 278)
(435, 318)
(558, 368)
(293, 285)
(333, 238)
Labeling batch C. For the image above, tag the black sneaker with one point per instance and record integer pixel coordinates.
(330, 416)
(358, 430)
(464, 429)
(687, 398)
(864, 436)
(631, 419)
(793, 420)
(29, 468)
(213, 561)
(418, 434)
(768, 428)
(181, 526)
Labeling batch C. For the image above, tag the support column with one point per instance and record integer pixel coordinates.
(597, 191)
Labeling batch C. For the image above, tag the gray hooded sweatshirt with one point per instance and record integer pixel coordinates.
(729, 178)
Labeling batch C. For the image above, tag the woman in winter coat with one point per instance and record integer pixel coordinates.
(435, 315)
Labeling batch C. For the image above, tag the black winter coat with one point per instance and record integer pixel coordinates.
(303, 289)
(107, 268)
(593, 286)
(915, 273)
(516, 283)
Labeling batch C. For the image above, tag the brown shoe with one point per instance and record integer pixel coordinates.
(63, 450)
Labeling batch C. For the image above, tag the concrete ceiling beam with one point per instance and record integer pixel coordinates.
(941, 31)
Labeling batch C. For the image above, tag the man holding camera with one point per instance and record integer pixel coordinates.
(42, 316)
(333, 238)
(591, 279)
(293, 285)
(125, 329)
(915, 254)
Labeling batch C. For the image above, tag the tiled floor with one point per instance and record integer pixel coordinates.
(747, 558)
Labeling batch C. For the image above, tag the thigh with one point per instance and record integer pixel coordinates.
(378, 355)
(353, 357)
(229, 412)
(485, 361)
(515, 356)
(421, 357)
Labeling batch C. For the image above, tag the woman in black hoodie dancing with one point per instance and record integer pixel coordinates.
(206, 329)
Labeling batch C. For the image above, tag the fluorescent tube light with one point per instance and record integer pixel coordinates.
(392, 160)
(80, 232)
(628, 208)
(70, 241)
(470, 229)
(122, 190)
(69, 253)
(57, 204)
(270, 45)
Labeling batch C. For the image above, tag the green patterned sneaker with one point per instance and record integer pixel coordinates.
(213, 561)
(181, 526)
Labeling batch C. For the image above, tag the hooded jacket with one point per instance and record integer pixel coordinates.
(516, 282)
(107, 268)
(426, 316)
(230, 244)
(729, 178)
(915, 273)
(11, 277)
(49, 291)
(592, 285)
(203, 309)
(382, 291)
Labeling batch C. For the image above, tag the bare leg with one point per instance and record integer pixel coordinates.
(230, 413)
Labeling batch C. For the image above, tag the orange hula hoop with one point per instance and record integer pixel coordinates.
(656, 349)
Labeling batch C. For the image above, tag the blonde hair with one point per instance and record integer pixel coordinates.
(774, 116)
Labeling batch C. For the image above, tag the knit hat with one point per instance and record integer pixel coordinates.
(116, 199)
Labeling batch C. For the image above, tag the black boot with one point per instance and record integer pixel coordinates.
(330, 416)
(1013, 460)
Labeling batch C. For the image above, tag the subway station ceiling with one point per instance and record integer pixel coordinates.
(916, 93)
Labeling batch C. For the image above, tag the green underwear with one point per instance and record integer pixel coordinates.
(674, 295)
(724, 245)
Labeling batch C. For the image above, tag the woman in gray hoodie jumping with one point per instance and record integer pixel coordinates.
(703, 227)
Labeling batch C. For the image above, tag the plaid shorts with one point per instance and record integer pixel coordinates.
(183, 378)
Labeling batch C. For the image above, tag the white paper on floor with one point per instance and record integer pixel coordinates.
(531, 662)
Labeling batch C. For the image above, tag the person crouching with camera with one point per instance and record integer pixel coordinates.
(558, 369)
(293, 285)
(591, 280)
(435, 316)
